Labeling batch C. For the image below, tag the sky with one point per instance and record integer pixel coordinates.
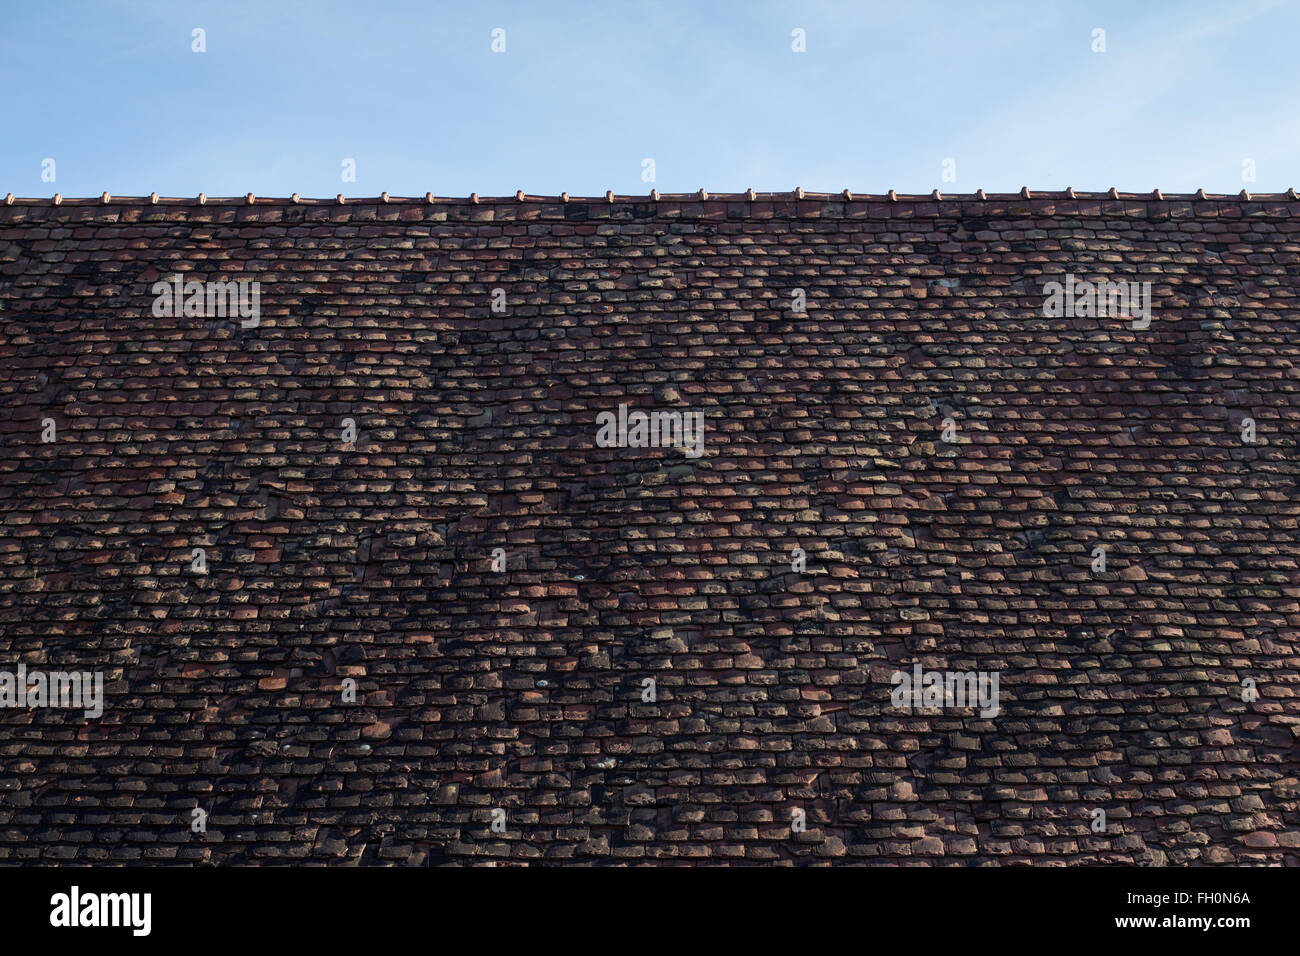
(911, 96)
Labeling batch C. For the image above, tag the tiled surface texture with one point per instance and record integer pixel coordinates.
(1120, 690)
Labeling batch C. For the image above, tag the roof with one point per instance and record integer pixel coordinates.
(946, 457)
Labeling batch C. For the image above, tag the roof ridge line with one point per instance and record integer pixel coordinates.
(654, 196)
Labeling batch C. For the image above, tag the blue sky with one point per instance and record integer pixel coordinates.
(711, 91)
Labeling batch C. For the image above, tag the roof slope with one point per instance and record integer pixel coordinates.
(1120, 690)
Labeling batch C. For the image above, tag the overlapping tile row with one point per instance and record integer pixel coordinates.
(522, 690)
